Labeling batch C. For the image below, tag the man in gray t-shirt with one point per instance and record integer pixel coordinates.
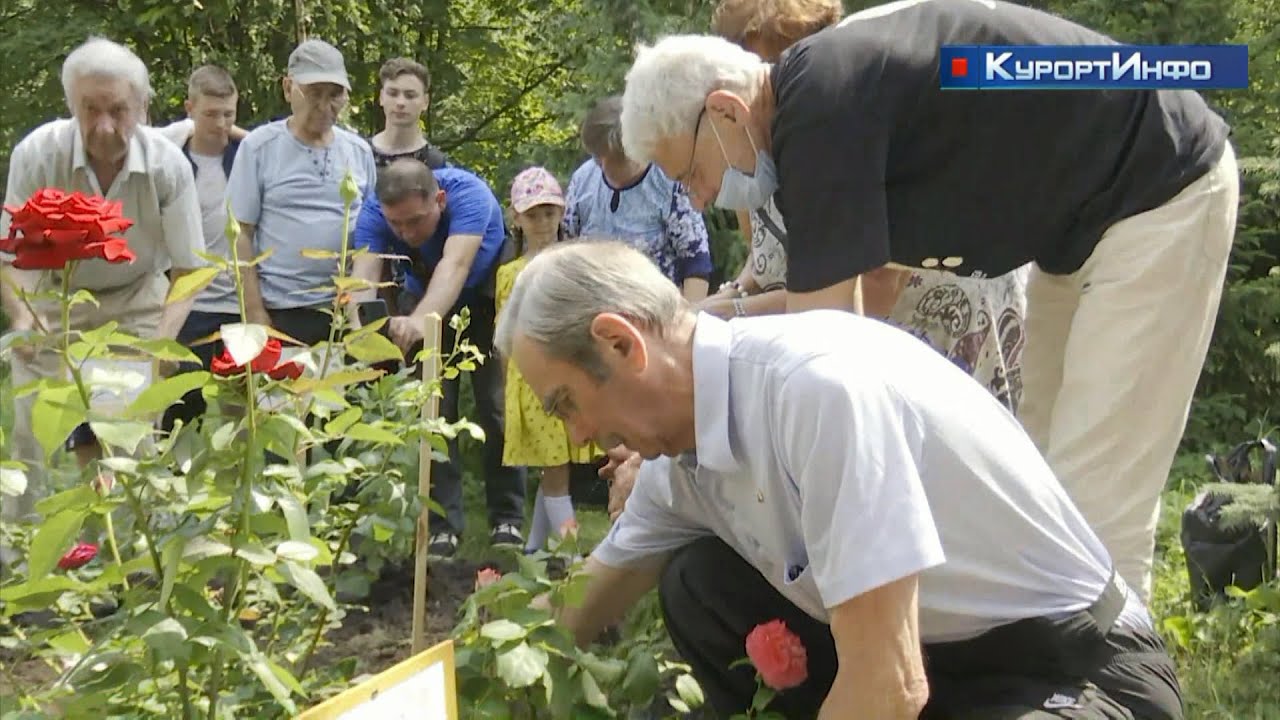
(284, 191)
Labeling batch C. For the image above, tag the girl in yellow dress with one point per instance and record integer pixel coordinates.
(533, 438)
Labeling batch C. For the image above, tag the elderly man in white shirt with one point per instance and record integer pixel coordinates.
(881, 503)
(103, 149)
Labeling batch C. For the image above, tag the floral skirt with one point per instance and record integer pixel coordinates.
(976, 323)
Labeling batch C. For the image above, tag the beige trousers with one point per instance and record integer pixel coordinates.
(136, 307)
(1113, 355)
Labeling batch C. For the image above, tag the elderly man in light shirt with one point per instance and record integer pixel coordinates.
(831, 471)
(284, 191)
(103, 149)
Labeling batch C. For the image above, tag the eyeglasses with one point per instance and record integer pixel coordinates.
(687, 176)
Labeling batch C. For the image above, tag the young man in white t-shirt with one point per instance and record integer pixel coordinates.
(207, 139)
(831, 471)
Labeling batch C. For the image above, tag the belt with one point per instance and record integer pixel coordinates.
(1107, 608)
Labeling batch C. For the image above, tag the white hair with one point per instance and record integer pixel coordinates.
(101, 57)
(669, 82)
(560, 292)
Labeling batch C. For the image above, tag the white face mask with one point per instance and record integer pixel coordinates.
(740, 191)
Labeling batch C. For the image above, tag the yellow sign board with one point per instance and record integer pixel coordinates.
(422, 687)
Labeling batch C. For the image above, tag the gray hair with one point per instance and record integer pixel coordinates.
(670, 81)
(601, 128)
(101, 57)
(561, 291)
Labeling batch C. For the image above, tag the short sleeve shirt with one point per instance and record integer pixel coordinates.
(290, 192)
(876, 164)
(653, 214)
(156, 187)
(470, 209)
(834, 471)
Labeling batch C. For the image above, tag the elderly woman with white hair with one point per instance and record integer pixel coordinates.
(833, 473)
(103, 149)
(1124, 201)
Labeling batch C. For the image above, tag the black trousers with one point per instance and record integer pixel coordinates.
(504, 486)
(711, 598)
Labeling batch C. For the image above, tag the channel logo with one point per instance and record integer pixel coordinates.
(1084, 67)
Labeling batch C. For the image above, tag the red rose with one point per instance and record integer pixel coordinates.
(486, 577)
(778, 655)
(78, 556)
(268, 361)
(53, 228)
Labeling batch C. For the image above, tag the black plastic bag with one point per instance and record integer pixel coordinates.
(1218, 557)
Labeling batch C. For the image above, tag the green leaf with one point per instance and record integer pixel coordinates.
(190, 283)
(70, 643)
(501, 631)
(764, 694)
(262, 668)
(606, 670)
(690, 691)
(105, 672)
(169, 639)
(302, 552)
(295, 516)
(165, 349)
(522, 665)
(591, 691)
(41, 593)
(372, 348)
(336, 380)
(123, 434)
(172, 556)
(364, 432)
(56, 412)
(318, 254)
(308, 583)
(244, 341)
(256, 554)
(54, 538)
(80, 497)
(157, 398)
(643, 677)
(13, 482)
(343, 422)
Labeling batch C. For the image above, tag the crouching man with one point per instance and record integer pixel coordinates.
(832, 472)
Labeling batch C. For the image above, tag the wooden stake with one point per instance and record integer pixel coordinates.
(430, 410)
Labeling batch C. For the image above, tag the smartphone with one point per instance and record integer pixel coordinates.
(371, 311)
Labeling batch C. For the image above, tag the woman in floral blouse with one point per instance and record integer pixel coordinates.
(612, 197)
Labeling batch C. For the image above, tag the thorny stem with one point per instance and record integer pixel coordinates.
(324, 613)
(83, 391)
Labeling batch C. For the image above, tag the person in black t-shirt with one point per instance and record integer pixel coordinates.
(1124, 200)
(404, 97)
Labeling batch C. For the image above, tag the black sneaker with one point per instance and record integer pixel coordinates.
(442, 545)
(507, 534)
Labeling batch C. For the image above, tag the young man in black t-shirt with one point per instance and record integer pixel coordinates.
(1125, 200)
(404, 95)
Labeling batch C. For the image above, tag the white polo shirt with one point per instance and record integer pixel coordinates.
(156, 187)
(837, 454)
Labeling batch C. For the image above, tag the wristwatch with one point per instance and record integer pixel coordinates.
(739, 309)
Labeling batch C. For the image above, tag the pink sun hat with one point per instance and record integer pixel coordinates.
(535, 186)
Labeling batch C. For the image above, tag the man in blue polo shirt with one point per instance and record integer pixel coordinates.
(449, 226)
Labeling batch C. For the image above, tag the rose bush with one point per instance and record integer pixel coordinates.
(225, 547)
